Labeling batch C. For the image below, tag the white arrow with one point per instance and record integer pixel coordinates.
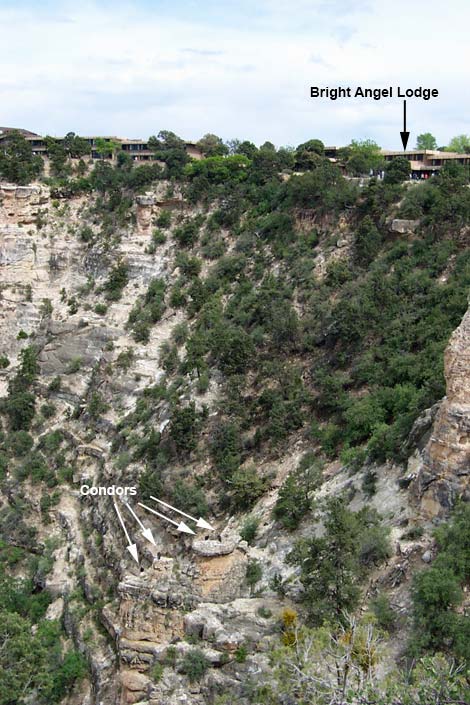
(147, 533)
(181, 526)
(132, 548)
(201, 523)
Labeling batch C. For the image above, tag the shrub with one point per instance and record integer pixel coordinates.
(20, 409)
(397, 171)
(249, 529)
(48, 410)
(3, 464)
(147, 311)
(156, 672)
(241, 654)
(4, 362)
(37, 468)
(202, 384)
(96, 406)
(246, 486)
(158, 238)
(73, 366)
(163, 219)
(51, 441)
(294, 498)
(367, 242)
(374, 545)
(20, 443)
(264, 612)
(125, 359)
(170, 656)
(117, 280)
(150, 483)
(435, 592)
(184, 428)
(187, 234)
(194, 664)
(369, 483)
(54, 385)
(86, 234)
(100, 309)
(254, 573)
(169, 357)
(188, 495)
(226, 449)
(189, 266)
(233, 349)
(386, 617)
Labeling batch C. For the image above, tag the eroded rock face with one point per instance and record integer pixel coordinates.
(21, 205)
(184, 593)
(402, 226)
(444, 475)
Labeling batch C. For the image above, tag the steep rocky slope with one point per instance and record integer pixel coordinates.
(186, 591)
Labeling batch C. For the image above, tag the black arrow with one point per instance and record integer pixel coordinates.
(404, 135)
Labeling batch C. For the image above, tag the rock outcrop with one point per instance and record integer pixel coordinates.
(444, 474)
(186, 592)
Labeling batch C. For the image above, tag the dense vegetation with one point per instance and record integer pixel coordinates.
(318, 323)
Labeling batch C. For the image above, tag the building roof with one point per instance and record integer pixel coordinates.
(428, 153)
(26, 133)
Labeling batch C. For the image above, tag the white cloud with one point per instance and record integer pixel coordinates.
(132, 70)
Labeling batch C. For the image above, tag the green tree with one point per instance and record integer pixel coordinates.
(33, 665)
(218, 169)
(367, 242)
(331, 564)
(233, 348)
(308, 155)
(184, 428)
(460, 144)
(20, 409)
(117, 280)
(57, 156)
(194, 664)
(17, 161)
(212, 146)
(106, 148)
(20, 402)
(254, 573)
(246, 486)
(243, 147)
(75, 146)
(294, 498)
(426, 141)
(171, 149)
(226, 447)
(361, 156)
(397, 171)
(437, 591)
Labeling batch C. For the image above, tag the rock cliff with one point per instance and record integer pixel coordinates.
(444, 470)
(185, 592)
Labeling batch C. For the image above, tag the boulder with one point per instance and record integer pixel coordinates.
(403, 226)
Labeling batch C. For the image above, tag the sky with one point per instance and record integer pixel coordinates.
(237, 69)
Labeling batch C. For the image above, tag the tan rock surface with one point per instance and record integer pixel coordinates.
(445, 472)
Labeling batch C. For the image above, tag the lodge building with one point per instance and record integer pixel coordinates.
(138, 149)
(423, 162)
(427, 162)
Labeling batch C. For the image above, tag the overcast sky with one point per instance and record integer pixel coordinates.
(237, 68)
